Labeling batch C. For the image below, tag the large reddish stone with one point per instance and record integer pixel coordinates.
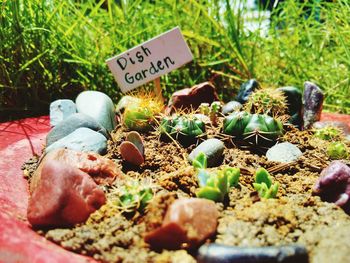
(191, 98)
(188, 222)
(62, 195)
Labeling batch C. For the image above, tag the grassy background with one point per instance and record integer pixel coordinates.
(55, 49)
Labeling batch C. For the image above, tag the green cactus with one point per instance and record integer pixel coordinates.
(267, 101)
(328, 133)
(214, 186)
(132, 196)
(184, 128)
(337, 151)
(263, 184)
(255, 129)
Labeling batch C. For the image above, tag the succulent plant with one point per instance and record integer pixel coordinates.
(184, 128)
(263, 184)
(139, 113)
(214, 186)
(132, 196)
(328, 133)
(337, 150)
(271, 102)
(132, 149)
(255, 129)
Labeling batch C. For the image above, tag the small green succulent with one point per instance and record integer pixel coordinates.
(263, 184)
(328, 133)
(214, 186)
(337, 151)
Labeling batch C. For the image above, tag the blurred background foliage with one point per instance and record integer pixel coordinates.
(55, 49)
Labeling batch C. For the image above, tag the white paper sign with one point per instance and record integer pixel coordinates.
(150, 60)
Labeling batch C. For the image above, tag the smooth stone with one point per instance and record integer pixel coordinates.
(188, 222)
(99, 106)
(63, 195)
(284, 152)
(246, 89)
(192, 98)
(230, 107)
(202, 117)
(212, 148)
(60, 110)
(69, 125)
(294, 102)
(82, 139)
(333, 185)
(213, 253)
(313, 103)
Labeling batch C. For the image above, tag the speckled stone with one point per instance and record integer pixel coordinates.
(284, 152)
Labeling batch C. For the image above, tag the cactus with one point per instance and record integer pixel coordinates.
(328, 133)
(132, 196)
(214, 186)
(140, 112)
(184, 128)
(337, 151)
(132, 149)
(263, 184)
(255, 129)
(271, 102)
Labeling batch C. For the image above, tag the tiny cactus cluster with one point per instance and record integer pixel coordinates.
(263, 184)
(328, 133)
(133, 196)
(255, 129)
(271, 102)
(184, 128)
(211, 110)
(337, 150)
(214, 186)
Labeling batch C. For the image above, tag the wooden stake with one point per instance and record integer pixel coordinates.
(158, 89)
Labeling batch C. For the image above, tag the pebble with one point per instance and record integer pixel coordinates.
(191, 98)
(62, 195)
(60, 110)
(313, 102)
(246, 89)
(72, 123)
(99, 106)
(212, 148)
(213, 253)
(231, 106)
(333, 185)
(284, 152)
(82, 139)
(188, 222)
(294, 103)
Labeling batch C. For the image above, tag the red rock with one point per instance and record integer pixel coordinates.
(188, 222)
(191, 98)
(101, 169)
(63, 195)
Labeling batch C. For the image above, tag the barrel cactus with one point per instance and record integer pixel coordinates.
(184, 128)
(254, 129)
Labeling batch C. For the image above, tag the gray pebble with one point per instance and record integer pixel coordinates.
(212, 148)
(231, 106)
(72, 123)
(283, 152)
(60, 110)
(83, 140)
(99, 106)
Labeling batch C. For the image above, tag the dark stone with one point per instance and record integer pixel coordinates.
(334, 185)
(191, 98)
(295, 104)
(230, 107)
(313, 102)
(213, 253)
(246, 89)
(73, 122)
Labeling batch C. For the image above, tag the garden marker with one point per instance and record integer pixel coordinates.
(150, 60)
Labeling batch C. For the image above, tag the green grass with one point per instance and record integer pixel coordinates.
(55, 49)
